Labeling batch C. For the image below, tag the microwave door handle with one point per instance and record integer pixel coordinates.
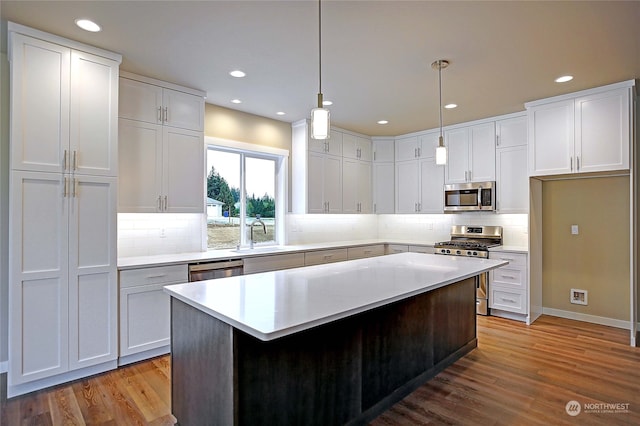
(479, 198)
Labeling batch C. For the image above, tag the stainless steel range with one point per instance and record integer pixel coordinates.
(473, 241)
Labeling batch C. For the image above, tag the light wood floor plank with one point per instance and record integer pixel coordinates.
(518, 375)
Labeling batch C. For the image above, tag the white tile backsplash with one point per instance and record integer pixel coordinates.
(142, 234)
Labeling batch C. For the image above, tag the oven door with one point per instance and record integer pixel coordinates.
(482, 294)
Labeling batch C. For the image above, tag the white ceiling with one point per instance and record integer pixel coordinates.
(376, 54)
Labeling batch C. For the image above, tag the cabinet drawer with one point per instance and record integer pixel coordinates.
(325, 256)
(516, 260)
(422, 249)
(254, 265)
(156, 275)
(510, 277)
(396, 248)
(365, 251)
(506, 300)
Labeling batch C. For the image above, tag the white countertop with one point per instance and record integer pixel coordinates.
(275, 304)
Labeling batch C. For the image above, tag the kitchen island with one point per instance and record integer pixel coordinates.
(327, 344)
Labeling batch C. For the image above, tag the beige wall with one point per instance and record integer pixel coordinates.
(596, 260)
(239, 126)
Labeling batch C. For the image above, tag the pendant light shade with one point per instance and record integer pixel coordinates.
(441, 150)
(320, 123)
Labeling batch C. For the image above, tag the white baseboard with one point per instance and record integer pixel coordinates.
(4, 366)
(611, 322)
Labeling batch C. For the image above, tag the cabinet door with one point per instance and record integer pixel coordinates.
(316, 202)
(144, 318)
(140, 101)
(406, 148)
(431, 186)
(428, 144)
(183, 171)
(383, 150)
(482, 153)
(407, 175)
(602, 131)
(38, 278)
(332, 189)
(512, 181)
(365, 152)
(350, 186)
(183, 110)
(457, 168)
(551, 138)
(383, 188)
(349, 146)
(140, 167)
(93, 139)
(93, 288)
(253, 265)
(40, 78)
(364, 187)
(511, 132)
(334, 143)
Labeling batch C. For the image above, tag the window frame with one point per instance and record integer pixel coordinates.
(244, 149)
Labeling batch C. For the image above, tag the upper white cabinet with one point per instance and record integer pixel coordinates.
(64, 150)
(325, 183)
(356, 147)
(512, 181)
(383, 150)
(64, 107)
(582, 132)
(471, 153)
(419, 186)
(356, 186)
(151, 103)
(383, 175)
(161, 156)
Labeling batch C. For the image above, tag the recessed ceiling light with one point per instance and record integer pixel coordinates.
(280, 113)
(237, 73)
(236, 101)
(326, 103)
(88, 25)
(383, 122)
(451, 106)
(564, 79)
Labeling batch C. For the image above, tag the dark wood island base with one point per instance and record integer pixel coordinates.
(344, 372)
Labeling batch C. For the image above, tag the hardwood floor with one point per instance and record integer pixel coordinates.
(518, 375)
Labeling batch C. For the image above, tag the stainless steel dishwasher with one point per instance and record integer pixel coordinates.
(217, 269)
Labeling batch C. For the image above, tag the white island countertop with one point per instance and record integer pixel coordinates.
(270, 305)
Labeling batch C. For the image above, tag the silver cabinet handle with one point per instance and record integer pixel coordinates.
(507, 300)
(375, 208)
(419, 152)
(415, 152)
(166, 115)
(64, 189)
(165, 203)
(509, 276)
(160, 114)
(75, 160)
(465, 176)
(160, 203)
(64, 160)
(328, 256)
(497, 140)
(578, 164)
(571, 163)
(74, 183)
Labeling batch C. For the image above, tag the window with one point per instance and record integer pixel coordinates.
(245, 195)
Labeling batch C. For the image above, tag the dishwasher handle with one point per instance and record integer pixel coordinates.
(211, 266)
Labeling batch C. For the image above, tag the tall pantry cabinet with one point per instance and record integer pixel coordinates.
(63, 266)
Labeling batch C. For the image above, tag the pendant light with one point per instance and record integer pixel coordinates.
(320, 115)
(441, 150)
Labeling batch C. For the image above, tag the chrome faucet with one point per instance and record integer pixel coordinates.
(260, 222)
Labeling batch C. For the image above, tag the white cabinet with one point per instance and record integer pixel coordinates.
(583, 132)
(145, 312)
(508, 286)
(63, 285)
(325, 183)
(383, 185)
(471, 153)
(419, 186)
(253, 265)
(396, 248)
(63, 200)
(356, 147)
(155, 104)
(64, 107)
(362, 252)
(422, 249)
(416, 147)
(356, 186)
(512, 181)
(161, 159)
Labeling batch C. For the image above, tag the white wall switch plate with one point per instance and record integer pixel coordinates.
(579, 296)
(574, 230)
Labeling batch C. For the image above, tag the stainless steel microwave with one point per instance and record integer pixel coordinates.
(468, 197)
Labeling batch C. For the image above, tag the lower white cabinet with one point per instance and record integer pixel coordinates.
(396, 248)
(253, 265)
(63, 285)
(365, 251)
(508, 285)
(422, 249)
(145, 311)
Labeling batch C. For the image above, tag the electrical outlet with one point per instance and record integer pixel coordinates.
(579, 297)
(574, 230)
(163, 233)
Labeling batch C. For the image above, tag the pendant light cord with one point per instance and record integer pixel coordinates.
(440, 86)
